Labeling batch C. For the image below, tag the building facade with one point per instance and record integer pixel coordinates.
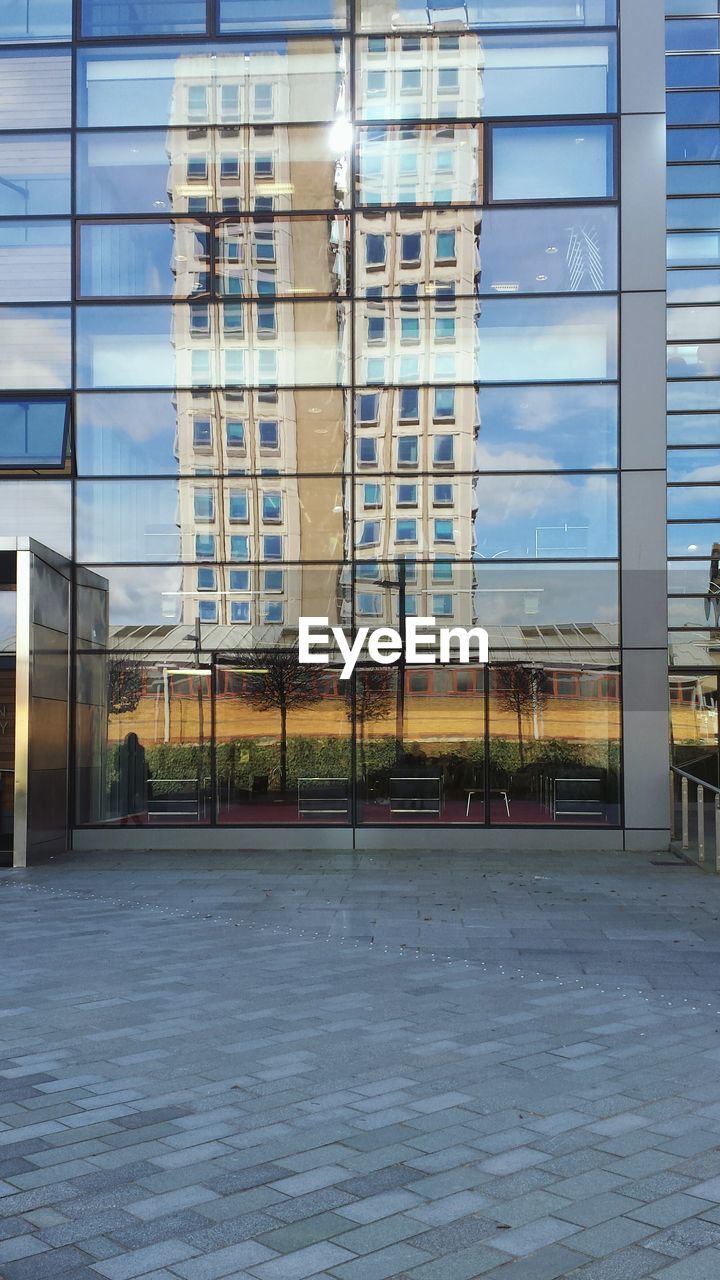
(353, 311)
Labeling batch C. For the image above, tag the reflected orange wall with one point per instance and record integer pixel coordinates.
(452, 717)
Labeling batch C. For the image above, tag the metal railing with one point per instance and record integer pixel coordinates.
(695, 817)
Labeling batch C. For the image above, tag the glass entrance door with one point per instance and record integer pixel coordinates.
(7, 755)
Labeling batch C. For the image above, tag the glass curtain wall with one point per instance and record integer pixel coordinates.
(333, 302)
(693, 115)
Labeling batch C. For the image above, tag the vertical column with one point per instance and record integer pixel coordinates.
(642, 432)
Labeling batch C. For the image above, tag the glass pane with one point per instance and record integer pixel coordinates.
(552, 517)
(688, 428)
(37, 509)
(693, 178)
(283, 735)
(34, 348)
(700, 33)
(693, 361)
(35, 20)
(693, 539)
(196, 521)
(21, 106)
(694, 249)
(264, 257)
(694, 465)
(33, 433)
(527, 608)
(691, 6)
(143, 741)
(495, 251)
(420, 165)
(693, 322)
(554, 744)
(697, 107)
(546, 428)
(160, 345)
(205, 85)
(518, 76)
(693, 286)
(693, 144)
(549, 76)
(693, 213)
(234, 170)
(548, 250)
(694, 719)
(544, 340)
(373, 15)
(34, 261)
(694, 502)
(162, 433)
(552, 162)
(420, 744)
(283, 15)
(34, 174)
(689, 395)
(395, 345)
(136, 259)
(147, 18)
(433, 253)
(694, 70)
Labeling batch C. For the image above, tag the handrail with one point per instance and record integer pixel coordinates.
(691, 778)
(700, 789)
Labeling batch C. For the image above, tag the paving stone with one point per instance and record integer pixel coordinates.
(701, 1266)
(259, 1064)
(303, 1263)
(534, 1235)
(609, 1237)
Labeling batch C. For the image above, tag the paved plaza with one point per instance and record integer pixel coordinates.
(285, 1067)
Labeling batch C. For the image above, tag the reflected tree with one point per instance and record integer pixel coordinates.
(125, 686)
(522, 690)
(278, 681)
(374, 700)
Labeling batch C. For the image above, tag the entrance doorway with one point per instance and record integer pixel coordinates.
(7, 755)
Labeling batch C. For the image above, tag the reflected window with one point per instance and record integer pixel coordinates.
(239, 546)
(444, 451)
(407, 451)
(206, 579)
(406, 530)
(207, 610)
(272, 546)
(205, 546)
(367, 452)
(239, 579)
(204, 504)
(240, 611)
(273, 580)
(238, 510)
(34, 434)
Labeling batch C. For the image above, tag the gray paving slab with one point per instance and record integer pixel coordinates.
(375, 1066)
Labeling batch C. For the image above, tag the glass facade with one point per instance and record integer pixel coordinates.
(312, 311)
(693, 115)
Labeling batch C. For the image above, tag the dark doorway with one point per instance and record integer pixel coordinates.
(7, 755)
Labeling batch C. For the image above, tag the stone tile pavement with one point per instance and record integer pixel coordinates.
(338, 1067)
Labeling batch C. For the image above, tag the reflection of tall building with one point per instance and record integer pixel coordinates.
(245, 329)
